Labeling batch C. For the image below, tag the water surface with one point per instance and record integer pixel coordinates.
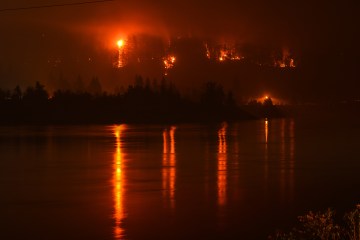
(223, 181)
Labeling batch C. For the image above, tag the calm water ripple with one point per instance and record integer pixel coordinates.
(227, 181)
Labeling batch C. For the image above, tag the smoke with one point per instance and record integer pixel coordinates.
(56, 45)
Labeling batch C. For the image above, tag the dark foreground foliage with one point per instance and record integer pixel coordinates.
(322, 226)
(140, 103)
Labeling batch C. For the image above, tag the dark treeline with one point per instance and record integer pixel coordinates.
(141, 102)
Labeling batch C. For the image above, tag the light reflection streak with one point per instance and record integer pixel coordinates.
(266, 130)
(222, 165)
(292, 154)
(169, 166)
(266, 157)
(287, 158)
(118, 184)
(236, 178)
(282, 158)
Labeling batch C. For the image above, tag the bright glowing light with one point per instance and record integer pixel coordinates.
(169, 62)
(208, 55)
(266, 130)
(120, 43)
(226, 53)
(223, 55)
(121, 54)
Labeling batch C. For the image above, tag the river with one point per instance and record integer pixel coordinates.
(222, 181)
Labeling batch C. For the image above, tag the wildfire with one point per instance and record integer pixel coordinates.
(208, 54)
(288, 63)
(131, 50)
(121, 53)
(169, 62)
(292, 63)
(275, 100)
(223, 53)
(286, 60)
(120, 43)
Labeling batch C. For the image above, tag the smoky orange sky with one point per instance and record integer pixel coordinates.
(256, 20)
(30, 37)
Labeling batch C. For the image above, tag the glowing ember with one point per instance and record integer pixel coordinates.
(169, 62)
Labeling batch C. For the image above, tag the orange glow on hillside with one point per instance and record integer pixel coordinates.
(227, 52)
(274, 99)
(286, 60)
(223, 55)
(264, 98)
(169, 62)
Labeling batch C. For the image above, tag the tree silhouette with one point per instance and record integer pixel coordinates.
(79, 85)
(213, 96)
(4, 94)
(95, 86)
(36, 94)
(140, 103)
(16, 94)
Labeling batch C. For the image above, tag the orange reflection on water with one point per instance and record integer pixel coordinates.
(222, 161)
(118, 183)
(169, 164)
(266, 130)
(266, 150)
(283, 159)
(287, 159)
(292, 153)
